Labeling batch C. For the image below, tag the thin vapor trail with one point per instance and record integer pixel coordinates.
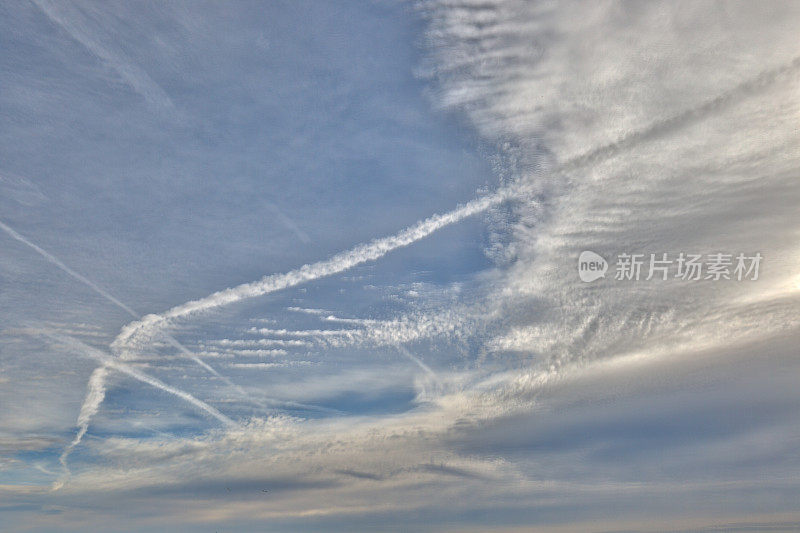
(288, 222)
(111, 298)
(70, 19)
(684, 118)
(403, 350)
(56, 261)
(96, 393)
(102, 292)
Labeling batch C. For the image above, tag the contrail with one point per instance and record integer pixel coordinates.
(338, 263)
(111, 298)
(303, 332)
(71, 21)
(104, 293)
(56, 261)
(115, 364)
(288, 222)
(96, 393)
(99, 290)
(659, 128)
(403, 350)
(305, 406)
(380, 247)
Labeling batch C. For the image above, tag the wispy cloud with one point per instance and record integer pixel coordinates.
(288, 222)
(95, 393)
(506, 392)
(73, 20)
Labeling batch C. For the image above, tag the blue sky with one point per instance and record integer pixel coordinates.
(305, 266)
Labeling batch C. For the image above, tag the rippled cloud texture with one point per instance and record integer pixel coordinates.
(297, 266)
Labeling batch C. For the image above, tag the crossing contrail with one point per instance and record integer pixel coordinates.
(96, 393)
(102, 292)
(94, 399)
(111, 298)
(382, 246)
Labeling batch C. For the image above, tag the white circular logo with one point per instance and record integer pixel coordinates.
(591, 266)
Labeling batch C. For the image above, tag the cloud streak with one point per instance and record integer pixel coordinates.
(105, 294)
(71, 20)
(60, 264)
(96, 391)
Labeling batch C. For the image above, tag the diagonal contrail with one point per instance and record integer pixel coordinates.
(338, 263)
(111, 298)
(419, 362)
(70, 20)
(96, 393)
(56, 261)
(125, 368)
(90, 399)
(380, 247)
(99, 290)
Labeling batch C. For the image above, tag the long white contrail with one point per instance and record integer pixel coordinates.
(56, 261)
(111, 298)
(380, 247)
(150, 325)
(338, 263)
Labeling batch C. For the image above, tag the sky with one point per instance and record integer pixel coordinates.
(314, 266)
